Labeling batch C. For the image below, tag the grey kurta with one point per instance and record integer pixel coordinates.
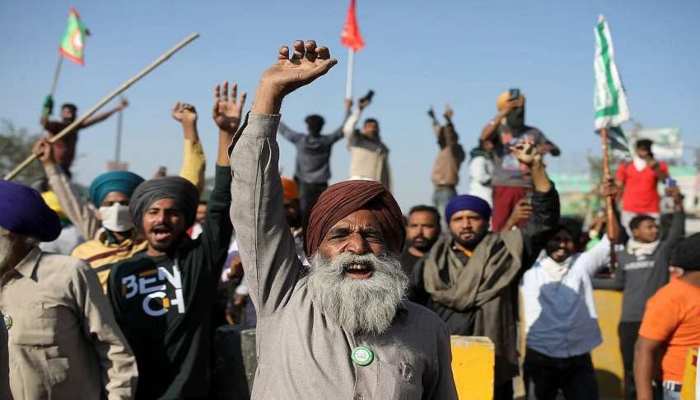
(301, 353)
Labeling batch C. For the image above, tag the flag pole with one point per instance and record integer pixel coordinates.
(609, 200)
(71, 128)
(351, 67)
(56, 74)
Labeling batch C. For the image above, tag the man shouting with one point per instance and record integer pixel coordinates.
(341, 328)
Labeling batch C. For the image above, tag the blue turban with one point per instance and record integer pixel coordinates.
(24, 212)
(467, 202)
(114, 181)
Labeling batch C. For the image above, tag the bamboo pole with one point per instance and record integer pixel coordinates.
(71, 128)
(609, 200)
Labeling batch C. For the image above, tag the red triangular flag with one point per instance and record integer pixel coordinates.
(350, 37)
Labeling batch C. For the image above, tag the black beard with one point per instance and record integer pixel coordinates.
(472, 243)
(425, 247)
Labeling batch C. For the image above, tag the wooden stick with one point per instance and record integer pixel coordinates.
(609, 200)
(71, 128)
(56, 74)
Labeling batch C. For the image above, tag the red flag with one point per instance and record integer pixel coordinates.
(350, 37)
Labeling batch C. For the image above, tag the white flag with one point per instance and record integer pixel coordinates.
(610, 101)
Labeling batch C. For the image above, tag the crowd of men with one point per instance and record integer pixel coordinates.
(119, 296)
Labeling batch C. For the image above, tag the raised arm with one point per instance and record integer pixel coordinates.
(339, 133)
(288, 133)
(267, 249)
(193, 159)
(491, 126)
(81, 214)
(97, 118)
(545, 201)
(659, 275)
(354, 118)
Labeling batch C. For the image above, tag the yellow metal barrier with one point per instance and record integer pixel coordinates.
(690, 387)
(607, 359)
(473, 367)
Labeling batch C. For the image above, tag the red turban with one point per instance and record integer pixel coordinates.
(344, 198)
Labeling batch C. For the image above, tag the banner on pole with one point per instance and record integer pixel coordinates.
(609, 100)
(351, 37)
(73, 42)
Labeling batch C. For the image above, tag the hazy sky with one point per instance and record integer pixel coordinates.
(418, 53)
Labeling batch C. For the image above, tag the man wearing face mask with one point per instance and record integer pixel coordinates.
(639, 180)
(470, 278)
(561, 323)
(105, 222)
(511, 180)
(163, 297)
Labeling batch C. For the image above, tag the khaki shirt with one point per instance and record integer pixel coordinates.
(301, 353)
(61, 336)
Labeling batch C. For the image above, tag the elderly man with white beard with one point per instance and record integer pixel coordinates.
(341, 328)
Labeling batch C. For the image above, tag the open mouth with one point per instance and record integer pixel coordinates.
(359, 271)
(162, 234)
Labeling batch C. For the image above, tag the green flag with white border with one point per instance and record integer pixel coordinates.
(610, 101)
(73, 42)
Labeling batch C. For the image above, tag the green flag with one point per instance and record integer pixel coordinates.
(610, 101)
(73, 42)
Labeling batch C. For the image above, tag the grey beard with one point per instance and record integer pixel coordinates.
(358, 305)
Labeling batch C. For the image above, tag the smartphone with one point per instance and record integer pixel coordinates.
(514, 93)
(368, 97)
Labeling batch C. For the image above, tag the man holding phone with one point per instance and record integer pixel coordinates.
(511, 179)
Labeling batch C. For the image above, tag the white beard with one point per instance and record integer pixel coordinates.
(358, 305)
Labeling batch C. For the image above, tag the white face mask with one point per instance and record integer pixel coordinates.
(116, 218)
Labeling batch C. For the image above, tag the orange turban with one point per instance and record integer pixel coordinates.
(344, 198)
(503, 99)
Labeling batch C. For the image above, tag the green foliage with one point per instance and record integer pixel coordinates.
(15, 145)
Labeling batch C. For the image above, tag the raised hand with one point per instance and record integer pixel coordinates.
(449, 112)
(522, 210)
(228, 108)
(608, 189)
(306, 64)
(184, 113)
(526, 152)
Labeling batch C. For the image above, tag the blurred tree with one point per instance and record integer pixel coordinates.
(15, 145)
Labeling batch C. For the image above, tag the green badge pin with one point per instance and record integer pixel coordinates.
(8, 321)
(362, 356)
